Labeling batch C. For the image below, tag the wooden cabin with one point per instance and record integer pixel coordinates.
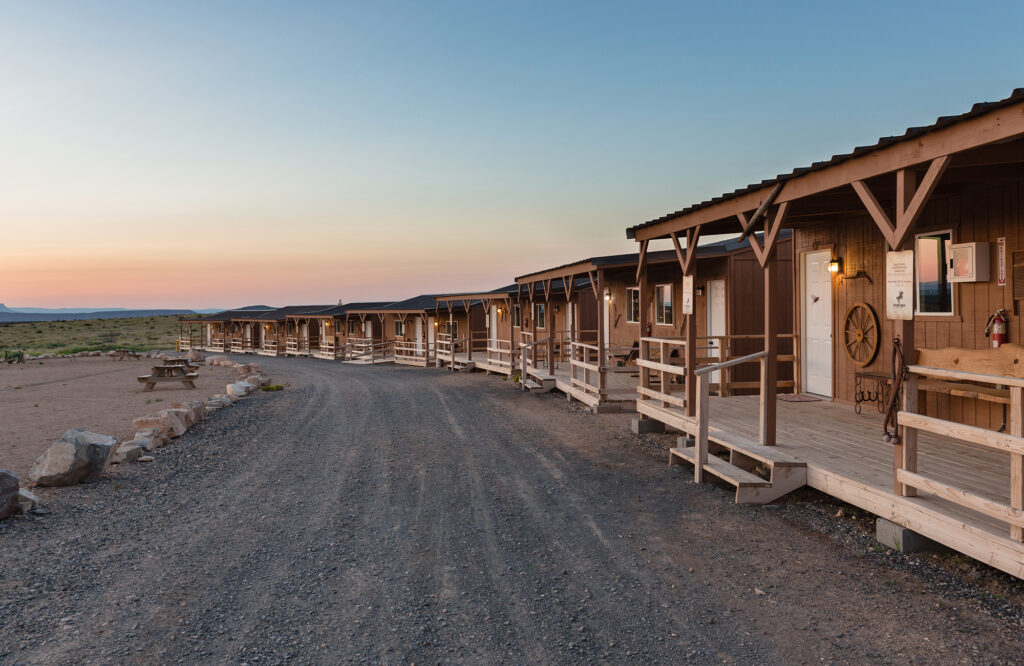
(916, 239)
(266, 332)
(488, 330)
(589, 347)
(335, 327)
(409, 332)
(211, 332)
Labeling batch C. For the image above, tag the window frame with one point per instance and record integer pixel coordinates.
(399, 328)
(540, 315)
(632, 303)
(351, 328)
(659, 307)
(517, 316)
(952, 312)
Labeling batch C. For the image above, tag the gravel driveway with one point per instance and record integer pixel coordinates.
(402, 515)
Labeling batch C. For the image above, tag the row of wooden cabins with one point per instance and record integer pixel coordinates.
(841, 339)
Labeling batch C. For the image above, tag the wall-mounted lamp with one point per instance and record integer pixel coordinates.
(835, 265)
(699, 291)
(607, 294)
(500, 312)
(555, 308)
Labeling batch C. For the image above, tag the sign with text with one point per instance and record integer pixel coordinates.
(687, 294)
(899, 285)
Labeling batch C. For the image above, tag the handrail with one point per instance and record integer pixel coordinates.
(964, 376)
(728, 364)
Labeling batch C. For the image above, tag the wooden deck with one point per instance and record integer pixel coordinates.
(621, 388)
(847, 459)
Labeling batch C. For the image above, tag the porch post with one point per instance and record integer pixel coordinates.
(770, 363)
(643, 320)
(549, 314)
(688, 264)
(469, 330)
(905, 452)
(602, 339)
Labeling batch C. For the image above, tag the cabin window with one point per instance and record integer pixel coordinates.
(663, 311)
(351, 326)
(633, 305)
(516, 321)
(540, 312)
(931, 272)
(399, 328)
(452, 328)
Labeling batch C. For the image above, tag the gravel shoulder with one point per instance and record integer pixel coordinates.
(392, 514)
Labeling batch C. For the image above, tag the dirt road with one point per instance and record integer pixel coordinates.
(401, 515)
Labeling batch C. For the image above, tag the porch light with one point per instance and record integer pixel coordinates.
(607, 294)
(835, 265)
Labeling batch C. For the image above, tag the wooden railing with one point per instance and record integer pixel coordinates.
(528, 358)
(587, 373)
(269, 346)
(216, 345)
(725, 346)
(184, 344)
(241, 345)
(501, 353)
(328, 348)
(411, 351)
(908, 479)
(665, 358)
(704, 408)
(445, 347)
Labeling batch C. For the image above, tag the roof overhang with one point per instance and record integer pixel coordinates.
(1001, 124)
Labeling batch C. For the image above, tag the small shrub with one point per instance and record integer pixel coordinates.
(273, 387)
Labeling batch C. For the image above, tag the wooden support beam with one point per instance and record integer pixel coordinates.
(772, 226)
(593, 284)
(910, 200)
(748, 226)
(770, 363)
(641, 266)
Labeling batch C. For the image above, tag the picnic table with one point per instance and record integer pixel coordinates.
(171, 372)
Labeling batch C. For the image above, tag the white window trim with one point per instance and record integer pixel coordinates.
(517, 316)
(953, 289)
(657, 305)
(539, 320)
(629, 306)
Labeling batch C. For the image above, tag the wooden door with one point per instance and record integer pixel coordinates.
(492, 327)
(715, 324)
(816, 336)
(417, 328)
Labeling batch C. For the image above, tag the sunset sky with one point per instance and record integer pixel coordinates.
(217, 154)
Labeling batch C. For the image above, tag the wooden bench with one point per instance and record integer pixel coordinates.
(1006, 361)
(170, 373)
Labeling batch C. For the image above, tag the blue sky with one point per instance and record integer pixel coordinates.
(296, 152)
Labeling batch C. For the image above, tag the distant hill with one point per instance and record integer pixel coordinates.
(8, 316)
(4, 308)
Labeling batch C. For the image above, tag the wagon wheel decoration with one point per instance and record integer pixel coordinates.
(860, 334)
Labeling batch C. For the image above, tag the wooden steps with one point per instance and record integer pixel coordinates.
(785, 473)
(539, 382)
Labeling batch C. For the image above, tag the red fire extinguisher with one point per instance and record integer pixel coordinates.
(997, 328)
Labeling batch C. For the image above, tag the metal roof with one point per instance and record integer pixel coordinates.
(718, 248)
(279, 314)
(227, 315)
(912, 133)
(345, 308)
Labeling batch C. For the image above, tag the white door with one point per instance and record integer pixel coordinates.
(367, 329)
(492, 327)
(816, 338)
(418, 333)
(606, 314)
(716, 320)
(431, 329)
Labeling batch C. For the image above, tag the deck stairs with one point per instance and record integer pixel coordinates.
(760, 474)
(537, 381)
(460, 365)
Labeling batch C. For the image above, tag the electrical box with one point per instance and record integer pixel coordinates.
(969, 262)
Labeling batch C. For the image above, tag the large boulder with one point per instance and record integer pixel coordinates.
(195, 356)
(79, 456)
(244, 369)
(217, 401)
(9, 500)
(169, 422)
